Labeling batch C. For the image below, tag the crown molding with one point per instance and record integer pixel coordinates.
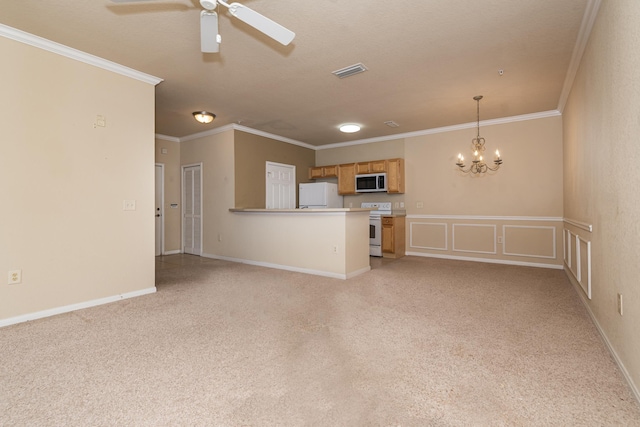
(500, 121)
(588, 21)
(276, 137)
(210, 132)
(167, 138)
(66, 51)
(233, 126)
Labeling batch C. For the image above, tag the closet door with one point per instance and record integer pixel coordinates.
(192, 209)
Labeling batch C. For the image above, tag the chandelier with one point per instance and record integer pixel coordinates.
(478, 165)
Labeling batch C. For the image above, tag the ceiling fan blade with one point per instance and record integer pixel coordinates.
(261, 23)
(209, 38)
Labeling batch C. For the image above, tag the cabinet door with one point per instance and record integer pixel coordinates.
(315, 172)
(330, 171)
(347, 179)
(395, 176)
(363, 167)
(388, 237)
(378, 166)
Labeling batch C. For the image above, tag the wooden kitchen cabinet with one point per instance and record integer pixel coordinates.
(347, 179)
(362, 167)
(393, 241)
(395, 176)
(323, 172)
(315, 172)
(346, 174)
(376, 166)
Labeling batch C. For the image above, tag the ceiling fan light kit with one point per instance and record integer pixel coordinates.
(210, 39)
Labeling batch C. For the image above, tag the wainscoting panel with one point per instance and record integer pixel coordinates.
(428, 235)
(530, 241)
(477, 238)
(577, 257)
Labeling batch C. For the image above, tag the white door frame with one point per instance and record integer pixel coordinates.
(161, 165)
(182, 168)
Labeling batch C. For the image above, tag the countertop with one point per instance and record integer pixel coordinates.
(301, 211)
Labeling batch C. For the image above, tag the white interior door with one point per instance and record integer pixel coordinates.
(159, 212)
(281, 186)
(192, 209)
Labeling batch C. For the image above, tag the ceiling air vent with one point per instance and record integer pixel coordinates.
(350, 70)
(391, 124)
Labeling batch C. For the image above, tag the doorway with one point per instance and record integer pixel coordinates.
(159, 212)
(192, 209)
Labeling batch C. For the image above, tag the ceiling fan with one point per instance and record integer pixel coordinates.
(210, 39)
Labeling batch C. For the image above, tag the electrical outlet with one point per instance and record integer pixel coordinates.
(15, 277)
(620, 304)
(335, 249)
(419, 205)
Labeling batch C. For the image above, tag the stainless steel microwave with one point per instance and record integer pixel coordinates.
(371, 183)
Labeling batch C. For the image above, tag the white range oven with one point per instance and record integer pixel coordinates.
(378, 210)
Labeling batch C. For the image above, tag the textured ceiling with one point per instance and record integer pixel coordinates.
(426, 60)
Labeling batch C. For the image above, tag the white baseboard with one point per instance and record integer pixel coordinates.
(623, 369)
(73, 307)
(177, 251)
(487, 260)
(289, 268)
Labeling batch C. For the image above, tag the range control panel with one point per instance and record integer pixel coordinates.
(380, 208)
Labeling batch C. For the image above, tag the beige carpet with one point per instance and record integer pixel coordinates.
(414, 342)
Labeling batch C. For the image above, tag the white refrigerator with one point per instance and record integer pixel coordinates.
(319, 195)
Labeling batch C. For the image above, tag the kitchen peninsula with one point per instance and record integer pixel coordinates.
(325, 242)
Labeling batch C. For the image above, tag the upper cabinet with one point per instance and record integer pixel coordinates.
(346, 173)
(347, 179)
(323, 172)
(395, 176)
(376, 166)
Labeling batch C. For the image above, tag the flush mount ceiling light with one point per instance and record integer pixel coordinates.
(204, 116)
(478, 166)
(349, 128)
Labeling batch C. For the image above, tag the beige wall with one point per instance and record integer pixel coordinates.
(601, 180)
(527, 184)
(251, 154)
(360, 153)
(63, 182)
(172, 193)
(216, 154)
(513, 215)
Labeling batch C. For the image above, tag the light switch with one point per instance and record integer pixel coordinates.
(129, 205)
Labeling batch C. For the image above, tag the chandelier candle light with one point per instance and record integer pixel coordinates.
(478, 166)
